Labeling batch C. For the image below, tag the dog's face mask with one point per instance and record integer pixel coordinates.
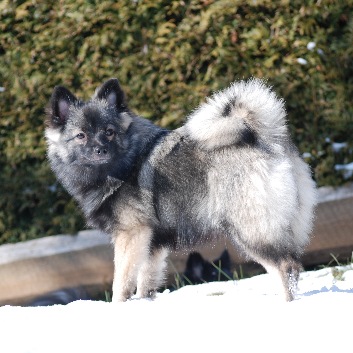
(88, 134)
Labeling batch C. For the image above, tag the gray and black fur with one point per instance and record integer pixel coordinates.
(230, 171)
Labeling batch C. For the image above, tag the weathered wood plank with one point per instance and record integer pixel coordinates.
(39, 266)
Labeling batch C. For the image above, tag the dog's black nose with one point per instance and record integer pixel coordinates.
(100, 150)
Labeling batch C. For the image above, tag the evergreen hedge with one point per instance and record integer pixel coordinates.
(168, 55)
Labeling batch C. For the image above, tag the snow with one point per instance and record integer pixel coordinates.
(302, 61)
(311, 45)
(346, 168)
(248, 315)
(338, 146)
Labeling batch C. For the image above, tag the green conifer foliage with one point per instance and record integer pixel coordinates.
(168, 55)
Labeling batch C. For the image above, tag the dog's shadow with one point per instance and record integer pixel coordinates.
(333, 289)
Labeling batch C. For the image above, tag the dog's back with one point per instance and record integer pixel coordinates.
(232, 170)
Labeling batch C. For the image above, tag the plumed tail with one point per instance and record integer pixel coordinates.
(246, 113)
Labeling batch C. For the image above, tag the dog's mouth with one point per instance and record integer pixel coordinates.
(93, 160)
(100, 161)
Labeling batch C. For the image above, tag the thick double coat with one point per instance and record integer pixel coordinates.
(230, 171)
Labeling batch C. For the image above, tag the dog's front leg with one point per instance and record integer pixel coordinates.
(151, 274)
(131, 249)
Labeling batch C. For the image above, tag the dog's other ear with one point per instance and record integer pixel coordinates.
(60, 103)
(112, 93)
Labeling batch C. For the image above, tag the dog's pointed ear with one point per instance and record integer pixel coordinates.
(60, 103)
(112, 93)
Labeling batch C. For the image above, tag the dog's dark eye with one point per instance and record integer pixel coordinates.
(81, 135)
(109, 132)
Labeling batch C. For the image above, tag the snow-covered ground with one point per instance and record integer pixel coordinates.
(242, 316)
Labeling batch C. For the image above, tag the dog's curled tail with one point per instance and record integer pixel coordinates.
(246, 113)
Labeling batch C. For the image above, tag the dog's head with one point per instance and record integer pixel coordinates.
(88, 133)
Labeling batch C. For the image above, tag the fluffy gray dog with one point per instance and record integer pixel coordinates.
(230, 171)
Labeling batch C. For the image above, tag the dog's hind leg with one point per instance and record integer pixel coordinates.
(286, 267)
(151, 274)
(277, 260)
(289, 271)
(131, 251)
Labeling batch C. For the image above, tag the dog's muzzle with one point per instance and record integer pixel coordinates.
(100, 154)
(100, 151)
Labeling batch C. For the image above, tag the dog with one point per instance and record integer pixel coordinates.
(230, 171)
(198, 270)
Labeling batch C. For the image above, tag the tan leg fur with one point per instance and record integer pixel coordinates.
(131, 251)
